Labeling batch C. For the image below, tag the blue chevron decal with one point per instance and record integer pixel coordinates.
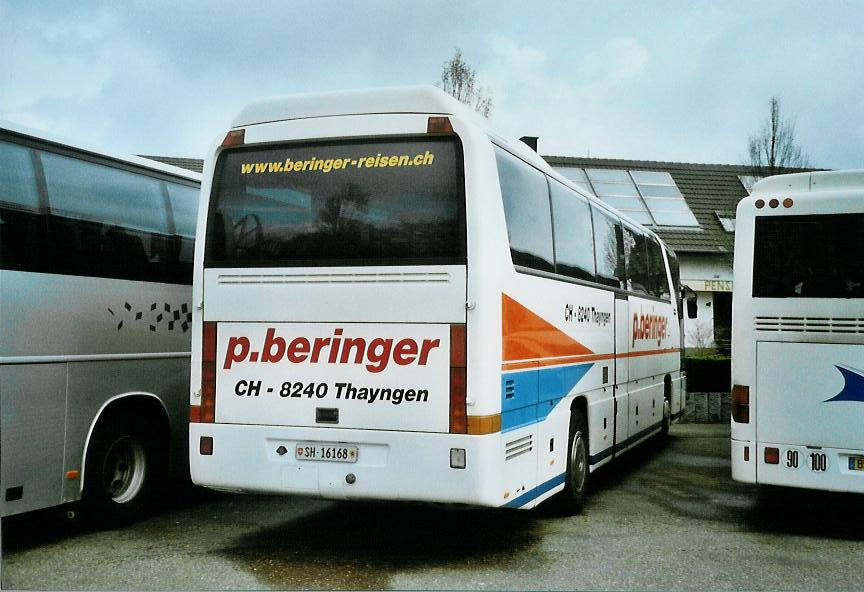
(528, 396)
(853, 390)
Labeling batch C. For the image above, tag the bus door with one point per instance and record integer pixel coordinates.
(622, 373)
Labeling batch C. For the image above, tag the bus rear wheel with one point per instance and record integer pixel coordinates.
(667, 416)
(572, 499)
(120, 474)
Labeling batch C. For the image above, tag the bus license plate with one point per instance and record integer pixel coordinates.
(856, 463)
(328, 452)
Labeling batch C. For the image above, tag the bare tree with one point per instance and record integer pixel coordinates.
(774, 146)
(701, 335)
(459, 79)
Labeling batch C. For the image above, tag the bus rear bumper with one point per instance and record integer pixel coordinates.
(843, 468)
(743, 465)
(411, 466)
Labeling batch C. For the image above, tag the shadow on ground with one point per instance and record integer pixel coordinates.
(360, 545)
(42, 527)
(806, 512)
(689, 474)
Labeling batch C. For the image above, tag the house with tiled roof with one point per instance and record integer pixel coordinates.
(691, 207)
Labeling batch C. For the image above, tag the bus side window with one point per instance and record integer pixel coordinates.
(608, 249)
(22, 216)
(659, 285)
(525, 193)
(574, 237)
(636, 259)
(184, 211)
(105, 222)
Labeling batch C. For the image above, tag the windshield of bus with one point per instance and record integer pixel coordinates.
(809, 256)
(393, 202)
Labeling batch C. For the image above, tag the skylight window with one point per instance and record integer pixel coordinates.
(577, 177)
(649, 197)
(617, 189)
(727, 220)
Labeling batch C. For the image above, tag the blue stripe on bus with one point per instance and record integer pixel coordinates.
(559, 479)
(528, 396)
(536, 492)
(615, 448)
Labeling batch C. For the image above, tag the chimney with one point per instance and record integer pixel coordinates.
(530, 141)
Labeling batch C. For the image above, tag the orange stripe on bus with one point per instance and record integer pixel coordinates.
(567, 360)
(484, 424)
(526, 335)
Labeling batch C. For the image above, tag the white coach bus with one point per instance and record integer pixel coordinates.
(398, 304)
(798, 333)
(95, 323)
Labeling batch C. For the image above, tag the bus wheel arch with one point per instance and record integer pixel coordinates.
(125, 458)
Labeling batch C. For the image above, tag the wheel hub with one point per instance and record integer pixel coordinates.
(124, 469)
(578, 464)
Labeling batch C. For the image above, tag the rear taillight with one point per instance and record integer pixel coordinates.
(741, 403)
(208, 373)
(458, 380)
(772, 456)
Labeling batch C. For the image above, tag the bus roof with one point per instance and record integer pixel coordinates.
(56, 140)
(805, 182)
(421, 99)
(370, 101)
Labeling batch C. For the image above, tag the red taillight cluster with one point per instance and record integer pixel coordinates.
(772, 456)
(208, 373)
(740, 403)
(458, 380)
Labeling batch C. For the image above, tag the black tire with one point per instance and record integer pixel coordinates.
(667, 416)
(123, 470)
(577, 477)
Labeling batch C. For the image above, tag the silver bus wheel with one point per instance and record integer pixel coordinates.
(124, 470)
(571, 500)
(667, 416)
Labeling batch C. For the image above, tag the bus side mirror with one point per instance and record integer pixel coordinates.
(688, 295)
(692, 311)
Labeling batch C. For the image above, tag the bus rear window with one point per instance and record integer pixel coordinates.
(395, 202)
(809, 256)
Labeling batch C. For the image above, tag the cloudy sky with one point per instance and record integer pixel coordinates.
(649, 80)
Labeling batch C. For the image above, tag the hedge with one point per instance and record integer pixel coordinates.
(709, 374)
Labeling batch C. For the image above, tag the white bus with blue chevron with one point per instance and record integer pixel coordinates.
(396, 303)
(798, 333)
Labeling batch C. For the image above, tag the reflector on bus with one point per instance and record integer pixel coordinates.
(234, 138)
(439, 125)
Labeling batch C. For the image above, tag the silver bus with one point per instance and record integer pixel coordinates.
(95, 322)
